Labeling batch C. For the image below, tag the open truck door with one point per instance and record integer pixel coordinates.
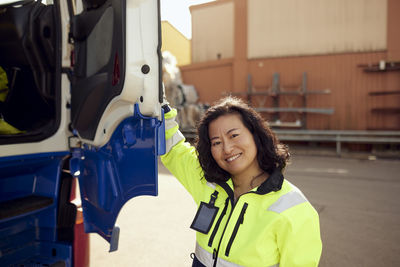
(81, 97)
(116, 114)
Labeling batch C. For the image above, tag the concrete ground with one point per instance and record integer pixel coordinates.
(358, 201)
(154, 231)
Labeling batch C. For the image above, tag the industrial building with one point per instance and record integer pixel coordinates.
(306, 65)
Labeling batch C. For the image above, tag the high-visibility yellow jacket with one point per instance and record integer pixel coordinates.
(272, 225)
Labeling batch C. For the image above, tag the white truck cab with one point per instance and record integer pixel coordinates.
(81, 97)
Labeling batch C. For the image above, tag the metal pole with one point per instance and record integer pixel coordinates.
(304, 95)
(249, 89)
(275, 92)
(338, 146)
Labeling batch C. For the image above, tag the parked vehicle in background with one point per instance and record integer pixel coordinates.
(80, 102)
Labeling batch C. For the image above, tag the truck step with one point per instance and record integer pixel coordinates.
(23, 205)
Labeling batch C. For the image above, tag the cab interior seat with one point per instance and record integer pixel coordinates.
(27, 54)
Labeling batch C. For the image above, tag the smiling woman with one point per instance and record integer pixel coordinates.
(232, 146)
(249, 214)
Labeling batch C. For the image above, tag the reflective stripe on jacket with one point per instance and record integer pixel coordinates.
(263, 228)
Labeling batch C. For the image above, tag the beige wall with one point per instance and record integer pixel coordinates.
(312, 27)
(212, 31)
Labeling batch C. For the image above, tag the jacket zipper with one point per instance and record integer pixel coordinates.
(235, 230)
(210, 241)
(229, 191)
(230, 197)
(215, 253)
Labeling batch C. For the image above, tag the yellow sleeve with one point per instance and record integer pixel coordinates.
(298, 237)
(181, 158)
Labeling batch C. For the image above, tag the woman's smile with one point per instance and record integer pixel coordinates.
(230, 159)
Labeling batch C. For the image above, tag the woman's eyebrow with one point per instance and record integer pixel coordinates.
(213, 138)
(231, 130)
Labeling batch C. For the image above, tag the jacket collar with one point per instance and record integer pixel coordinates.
(273, 183)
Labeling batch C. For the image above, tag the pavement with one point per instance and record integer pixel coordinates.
(358, 200)
(154, 231)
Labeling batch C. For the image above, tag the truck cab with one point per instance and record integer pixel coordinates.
(80, 103)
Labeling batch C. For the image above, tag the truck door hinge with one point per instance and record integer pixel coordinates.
(75, 146)
(74, 142)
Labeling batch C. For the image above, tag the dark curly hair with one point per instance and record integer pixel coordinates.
(271, 154)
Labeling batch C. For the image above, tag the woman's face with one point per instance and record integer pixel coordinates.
(233, 146)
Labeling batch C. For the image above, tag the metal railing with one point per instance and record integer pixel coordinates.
(360, 137)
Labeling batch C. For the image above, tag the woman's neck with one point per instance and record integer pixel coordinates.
(243, 184)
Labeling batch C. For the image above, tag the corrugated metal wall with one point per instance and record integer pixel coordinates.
(349, 84)
(211, 79)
